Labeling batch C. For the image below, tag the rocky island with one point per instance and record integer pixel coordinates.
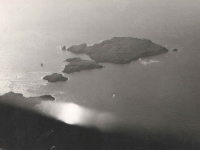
(55, 77)
(175, 50)
(78, 64)
(63, 47)
(119, 50)
(47, 97)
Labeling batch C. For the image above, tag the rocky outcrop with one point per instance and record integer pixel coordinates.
(78, 49)
(175, 50)
(71, 60)
(47, 97)
(78, 64)
(63, 48)
(119, 50)
(55, 77)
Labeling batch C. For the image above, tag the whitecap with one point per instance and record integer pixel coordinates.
(147, 62)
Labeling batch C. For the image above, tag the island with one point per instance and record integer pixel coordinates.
(77, 64)
(55, 77)
(119, 50)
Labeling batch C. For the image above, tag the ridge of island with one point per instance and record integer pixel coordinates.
(119, 50)
(77, 64)
(55, 77)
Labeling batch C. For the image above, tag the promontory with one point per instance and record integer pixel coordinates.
(78, 64)
(19, 100)
(119, 50)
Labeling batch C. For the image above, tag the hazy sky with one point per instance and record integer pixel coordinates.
(102, 15)
(37, 12)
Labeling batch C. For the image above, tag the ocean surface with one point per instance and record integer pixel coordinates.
(158, 91)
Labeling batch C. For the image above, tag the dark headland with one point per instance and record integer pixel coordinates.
(55, 77)
(119, 50)
(18, 98)
(78, 64)
(24, 129)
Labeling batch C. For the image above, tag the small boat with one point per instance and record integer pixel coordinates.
(41, 64)
(113, 95)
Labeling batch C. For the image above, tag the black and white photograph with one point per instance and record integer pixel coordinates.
(99, 74)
